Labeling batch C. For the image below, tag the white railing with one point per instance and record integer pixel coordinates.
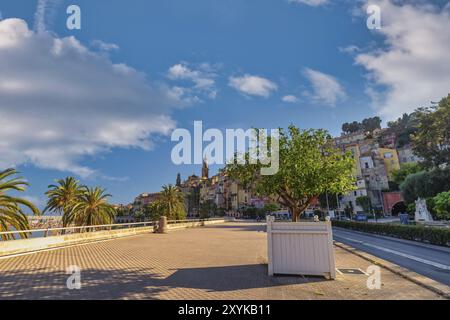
(81, 229)
(192, 220)
(117, 226)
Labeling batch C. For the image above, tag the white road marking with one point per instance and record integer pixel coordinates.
(401, 254)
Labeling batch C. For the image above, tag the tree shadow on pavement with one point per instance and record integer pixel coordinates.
(36, 284)
(230, 278)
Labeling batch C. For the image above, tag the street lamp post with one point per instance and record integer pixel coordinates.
(382, 201)
(328, 204)
(372, 209)
(380, 194)
(338, 206)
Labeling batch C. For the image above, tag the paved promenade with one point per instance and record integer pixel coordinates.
(217, 262)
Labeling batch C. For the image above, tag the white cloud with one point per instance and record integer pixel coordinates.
(104, 46)
(414, 66)
(203, 79)
(253, 85)
(45, 10)
(184, 96)
(349, 49)
(312, 3)
(60, 102)
(326, 88)
(290, 99)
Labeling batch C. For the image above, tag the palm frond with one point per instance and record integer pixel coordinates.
(12, 215)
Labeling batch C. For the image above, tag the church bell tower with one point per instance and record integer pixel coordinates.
(205, 169)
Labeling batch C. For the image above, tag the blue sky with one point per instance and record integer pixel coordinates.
(115, 89)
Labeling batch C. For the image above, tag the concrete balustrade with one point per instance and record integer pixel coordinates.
(43, 243)
(183, 225)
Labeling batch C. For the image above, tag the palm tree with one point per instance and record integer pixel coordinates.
(63, 196)
(11, 212)
(91, 208)
(171, 202)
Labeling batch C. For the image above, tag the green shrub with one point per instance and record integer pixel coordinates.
(442, 205)
(432, 235)
(425, 184)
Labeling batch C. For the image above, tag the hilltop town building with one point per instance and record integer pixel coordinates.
(376, 160)
(375, 155)
(406, 155)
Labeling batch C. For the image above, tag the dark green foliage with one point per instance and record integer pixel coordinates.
(351, 127)
(365, 203)
(309, 165)
(442, 205)
(332, 201)
(406, 169)
(393, 186)
(193, 200)
(437, 236)
(370, 124)
(403, 128)
(208, 209)
(367, 125)
(432, 139)
(425, 184)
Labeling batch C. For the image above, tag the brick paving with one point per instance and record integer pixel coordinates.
(226, 261)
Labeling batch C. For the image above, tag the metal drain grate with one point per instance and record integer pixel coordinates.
(351, 271)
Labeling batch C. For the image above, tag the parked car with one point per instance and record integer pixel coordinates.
(361, 217)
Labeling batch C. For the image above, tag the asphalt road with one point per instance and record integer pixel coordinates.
(428, 260)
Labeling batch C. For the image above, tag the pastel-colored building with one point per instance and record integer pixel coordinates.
(391, 161)
(143, 200)
(350, 138)
(356, 154)
(349, 199)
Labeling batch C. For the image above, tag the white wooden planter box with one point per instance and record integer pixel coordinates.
(300, 248)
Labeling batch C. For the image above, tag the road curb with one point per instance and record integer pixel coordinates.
(427, 283)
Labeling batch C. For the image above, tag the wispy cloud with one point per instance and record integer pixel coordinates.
(326, 89)
(253, 85)
(104, 46)
(289, 99)
(85, 105)
(351, 49)
(413, 68)
(45, 10)
(201, 78)
(312, 3)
